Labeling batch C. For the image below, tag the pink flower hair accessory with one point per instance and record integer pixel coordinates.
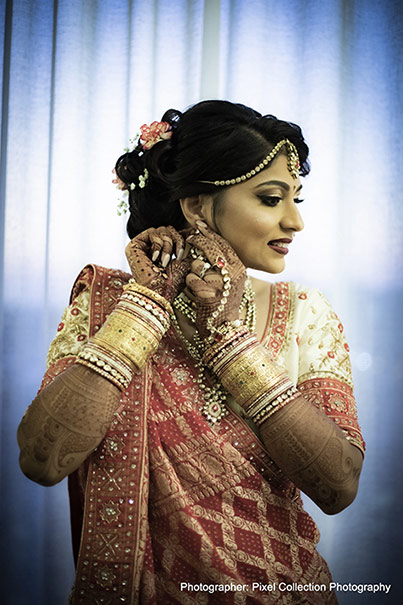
(118, 181)
(157, 131)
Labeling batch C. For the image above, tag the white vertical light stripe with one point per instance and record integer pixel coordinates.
(209, 77)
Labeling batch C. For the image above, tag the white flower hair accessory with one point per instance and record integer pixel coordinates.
(123, 203)
(147, 138)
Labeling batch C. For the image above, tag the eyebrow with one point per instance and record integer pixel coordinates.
(280, 184)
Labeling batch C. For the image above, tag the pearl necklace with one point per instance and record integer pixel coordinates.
(214, 408)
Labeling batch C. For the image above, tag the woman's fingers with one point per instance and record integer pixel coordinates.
(200, 267)
(214, 279)
(218, 252)
(204, 270)
(166, 250)
(210, 249)
(199, 287)
(163, 240)
(160, 242)
(150, 258)
(178, 242)
(156, 243)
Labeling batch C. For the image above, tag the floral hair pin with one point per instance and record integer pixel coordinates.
(156, 132)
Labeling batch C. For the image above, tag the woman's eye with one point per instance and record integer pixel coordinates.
(298, 200)
(269, 200)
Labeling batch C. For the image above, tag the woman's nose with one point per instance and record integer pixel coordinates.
(292, 218)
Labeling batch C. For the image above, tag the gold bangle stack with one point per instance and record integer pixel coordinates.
(132, 286)
(246, 371)
(130, 334)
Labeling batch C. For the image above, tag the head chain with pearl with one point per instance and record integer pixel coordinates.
(293, 165)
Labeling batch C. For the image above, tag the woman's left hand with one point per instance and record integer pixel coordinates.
(216, 280)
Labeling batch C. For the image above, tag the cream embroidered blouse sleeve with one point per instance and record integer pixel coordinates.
(72, 331)
(316, 357)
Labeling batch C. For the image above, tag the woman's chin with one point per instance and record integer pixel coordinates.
(277, 269)
(268, 267)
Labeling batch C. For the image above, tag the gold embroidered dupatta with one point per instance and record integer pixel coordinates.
(109, 492)
(165, 499)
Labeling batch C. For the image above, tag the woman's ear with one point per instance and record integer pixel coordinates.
(198, 208)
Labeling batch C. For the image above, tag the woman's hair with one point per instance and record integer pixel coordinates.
(212, 140)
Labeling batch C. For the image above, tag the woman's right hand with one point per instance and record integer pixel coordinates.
(216, 279)
(149, 257)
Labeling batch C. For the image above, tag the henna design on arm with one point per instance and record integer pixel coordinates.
(314, 453)
(65, 423)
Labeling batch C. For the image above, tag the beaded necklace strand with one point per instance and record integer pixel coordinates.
(214, 408)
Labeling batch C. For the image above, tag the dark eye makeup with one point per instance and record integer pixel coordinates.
(273, 200)
(269, 200)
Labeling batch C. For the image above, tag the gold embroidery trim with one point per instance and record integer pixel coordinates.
(73, 330)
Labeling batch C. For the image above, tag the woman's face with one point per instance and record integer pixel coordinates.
(260, 217)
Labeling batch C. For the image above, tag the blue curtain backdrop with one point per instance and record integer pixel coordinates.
(79, 78)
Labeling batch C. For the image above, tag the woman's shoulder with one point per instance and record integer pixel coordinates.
(299, 296)
(305, 308)
(310, 299)
(98, 278)
(300, 292)
(290, 295)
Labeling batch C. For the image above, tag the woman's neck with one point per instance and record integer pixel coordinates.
(262, 291)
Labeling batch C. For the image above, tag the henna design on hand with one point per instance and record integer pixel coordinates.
(207, 286)
(149, 256)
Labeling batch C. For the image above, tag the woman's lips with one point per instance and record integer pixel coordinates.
(280, 245)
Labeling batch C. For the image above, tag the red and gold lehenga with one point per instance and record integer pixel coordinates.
(168, 507)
